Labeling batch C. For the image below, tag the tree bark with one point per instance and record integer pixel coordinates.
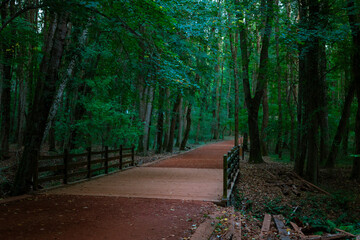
(167, 119)
(188, 127)
(5, 111)
(253, 104)
(353, 11)
(234, 50)
(265, 123)
(160, 121)
(45, 90)
(180, 124)
(173, 123)
(330, 163)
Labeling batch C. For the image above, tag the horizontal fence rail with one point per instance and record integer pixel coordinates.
(83, 165)
(231, 171)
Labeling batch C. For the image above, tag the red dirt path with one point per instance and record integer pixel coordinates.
(209, 156)
(90, 217)
(97, 209)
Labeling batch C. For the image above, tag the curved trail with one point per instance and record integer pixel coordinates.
(163, 200)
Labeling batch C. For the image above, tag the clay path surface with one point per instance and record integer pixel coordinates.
(162, 201)
(194, 175)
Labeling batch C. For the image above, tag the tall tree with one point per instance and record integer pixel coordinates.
(253, 103)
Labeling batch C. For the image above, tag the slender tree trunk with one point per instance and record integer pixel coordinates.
(253, 104)
(278, 148)
(147, 119)
(5, 111)
(323, 114)
(188, 127)
(353, 12)
(345, 141)
(46, 87)
(330, 163)
(301, 133)
(180, 124)
(160, 121)
(167, 120)
(265, 123)
(173, 124)
(66, 78)
(234, 50)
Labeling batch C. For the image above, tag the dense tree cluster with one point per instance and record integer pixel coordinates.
(161, 73)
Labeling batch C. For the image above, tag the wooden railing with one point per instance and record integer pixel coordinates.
(66, 166)
(231, 171)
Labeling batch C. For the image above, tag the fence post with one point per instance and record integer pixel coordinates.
(225, 176)
(121, 159)
(106, 159)
(133, 155)
(88, 162)
(66, 160)
(36, 172)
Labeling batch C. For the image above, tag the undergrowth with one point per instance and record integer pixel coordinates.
(322, 213)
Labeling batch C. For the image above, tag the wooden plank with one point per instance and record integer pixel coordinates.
(348, 234)
(76, 165)
(97, 153)
(51, 178)
(127, 149)
(281, 227)
(265, 226)
(127, 162)
(127, 155)
(97, 169)
(113, 158)
(114, 151)
(74, 174)
(310, 184)
(51, 168)
(51, 157)
(77, 155)
(297, 229)
(98, 161)
(114, 165)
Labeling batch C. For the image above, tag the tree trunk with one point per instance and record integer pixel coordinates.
(264, 124)
(180, 124)
(188, 127)
(69, 72)
(234, 50)
(278, 148)
(253, 104)
(173, 124)
(353, 12)
(147, 119)
(167, 120)
(5, 111)
(45, 90)
(330, 163)
(323, 114)
(301, 133)
(160, 121)
(313, 85)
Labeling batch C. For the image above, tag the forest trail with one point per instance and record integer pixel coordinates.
(164, 200)
(194, 175)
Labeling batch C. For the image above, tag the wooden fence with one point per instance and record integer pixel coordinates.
(231, 171)
(66, 166)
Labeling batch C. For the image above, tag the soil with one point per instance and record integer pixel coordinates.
(271, 188)
(92, 217)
